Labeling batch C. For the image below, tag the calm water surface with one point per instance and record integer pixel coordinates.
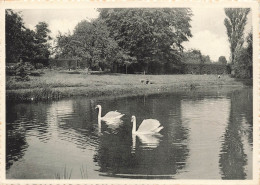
(206, 136)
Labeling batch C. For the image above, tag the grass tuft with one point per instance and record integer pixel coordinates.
(83, 172)
(66, 174)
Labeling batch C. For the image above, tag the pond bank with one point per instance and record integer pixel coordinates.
(54, 85)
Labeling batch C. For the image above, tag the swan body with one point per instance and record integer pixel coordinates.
(148, 133)
(148, 126)
(112, 117)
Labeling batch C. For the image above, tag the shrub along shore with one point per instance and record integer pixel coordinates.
(53, 85)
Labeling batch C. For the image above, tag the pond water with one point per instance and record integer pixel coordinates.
(206, 135)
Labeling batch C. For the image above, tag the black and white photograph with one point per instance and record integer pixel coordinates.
(158, 93)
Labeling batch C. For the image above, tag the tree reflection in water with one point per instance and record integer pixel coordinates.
(233, 158)
(18, 121)
(195, 123)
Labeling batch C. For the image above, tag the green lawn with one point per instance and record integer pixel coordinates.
(56, 84)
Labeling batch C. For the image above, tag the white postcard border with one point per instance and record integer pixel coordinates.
(90, 4)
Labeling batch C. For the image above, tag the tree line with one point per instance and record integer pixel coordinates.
(120, 37)
(146, 38)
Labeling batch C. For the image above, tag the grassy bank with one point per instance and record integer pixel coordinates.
(56, 85)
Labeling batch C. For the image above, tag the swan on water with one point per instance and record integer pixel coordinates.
(112, 117)
(148, 126)
(148, 133)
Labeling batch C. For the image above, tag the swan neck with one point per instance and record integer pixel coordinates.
(99, 124)
(99, 112)
(134, 126)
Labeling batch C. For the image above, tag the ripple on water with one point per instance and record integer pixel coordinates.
(205, 137)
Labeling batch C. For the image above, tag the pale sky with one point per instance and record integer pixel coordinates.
(209, 32)
(62, 20)
(208, 29)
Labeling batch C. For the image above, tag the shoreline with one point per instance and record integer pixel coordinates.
(67, 92)
(54, 85)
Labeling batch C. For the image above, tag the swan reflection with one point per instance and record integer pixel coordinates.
(113, 125)
(147, 141)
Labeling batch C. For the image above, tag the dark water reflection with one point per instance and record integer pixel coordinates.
(206, 136)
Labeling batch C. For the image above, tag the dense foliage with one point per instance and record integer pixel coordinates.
(241, 56)
(150, 35)
(91, 43)
(23, 44)
(42, 39)
(120, 37)
(235, 24)
(194, 56)
(222, 60)
(243, 65)
(14, 36)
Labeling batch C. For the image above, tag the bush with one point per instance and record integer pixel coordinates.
(39, 66)
(35, 73)
(22, 71)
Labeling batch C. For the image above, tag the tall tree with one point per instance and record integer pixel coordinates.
(243, 65)
(29, 45)
(23, 43)
(249, 48)
(235, 24)
(92, 43)
(250, 54)
(42, 39)
(64, 46)
(150, 35)
(14, 37)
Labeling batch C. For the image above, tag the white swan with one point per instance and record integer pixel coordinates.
(148, 133)
(112, 117)
(148, 126)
